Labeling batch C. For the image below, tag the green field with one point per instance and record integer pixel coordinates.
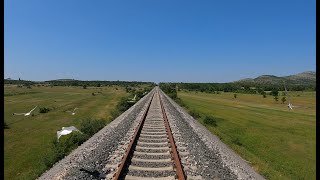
(28, 139)
(276, 142)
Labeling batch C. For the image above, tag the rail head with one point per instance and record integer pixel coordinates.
(175, 155)
(125, 159)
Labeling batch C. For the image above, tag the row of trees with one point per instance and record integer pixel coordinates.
(98, 83)
(79, 83)
(237, 87)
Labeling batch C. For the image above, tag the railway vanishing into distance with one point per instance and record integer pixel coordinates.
(153, 140)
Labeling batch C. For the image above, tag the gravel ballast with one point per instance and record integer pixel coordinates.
(93, 154)
(212, 158)
(202, 154)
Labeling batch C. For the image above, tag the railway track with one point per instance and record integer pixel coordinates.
(152, 153)
(154, 139)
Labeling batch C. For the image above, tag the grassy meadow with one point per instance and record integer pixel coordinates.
(277, 142)
(28, 139)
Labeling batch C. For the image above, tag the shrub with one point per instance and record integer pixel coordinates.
(274, 92)
(180, 102)
(5, 125)
(44, 110)
(195, 114)
(114, 113)
(237, 141)
(91, 126)
(123, 105)
(65, 145)
(210, 121)
(235, 96)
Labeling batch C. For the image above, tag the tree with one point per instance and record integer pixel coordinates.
(274, 92)
(84, 86)
(283, 99)
(235, 96)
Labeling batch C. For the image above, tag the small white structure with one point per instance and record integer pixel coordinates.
(66, 130)
(72, 112)
(134, 99)
(290, 106)
(25, 114)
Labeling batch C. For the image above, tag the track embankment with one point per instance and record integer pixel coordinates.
(154, 139)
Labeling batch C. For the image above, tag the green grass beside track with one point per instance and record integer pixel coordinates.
(28, 139)
(277, 143)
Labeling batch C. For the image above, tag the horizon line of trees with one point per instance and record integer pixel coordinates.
(80, 83)
(237, 87)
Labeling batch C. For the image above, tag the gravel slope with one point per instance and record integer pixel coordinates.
(214, 160)
(93, 154)
(204, 156)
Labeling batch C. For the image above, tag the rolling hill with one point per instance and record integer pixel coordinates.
(304, 78)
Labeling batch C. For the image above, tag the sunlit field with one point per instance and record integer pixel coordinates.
(277, 142)
(28, 139)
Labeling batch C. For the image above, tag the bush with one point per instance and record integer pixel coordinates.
(123, 105)
(274, 92)
(237, 141)
(210, 121)
(5, 125)
(44, 110)
(114, 113)
(65, 145)
(195, 114)
(180, 102)
(91, 126)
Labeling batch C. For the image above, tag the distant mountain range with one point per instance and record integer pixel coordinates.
(304, 78)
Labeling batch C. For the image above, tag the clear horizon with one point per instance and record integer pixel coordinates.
(144, 81)
(180, 41)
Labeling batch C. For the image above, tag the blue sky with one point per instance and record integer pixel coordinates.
(167, 40)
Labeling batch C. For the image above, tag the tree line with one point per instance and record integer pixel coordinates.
(237, 87)
(79, 83)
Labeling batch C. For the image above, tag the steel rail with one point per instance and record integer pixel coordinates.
(179, 170)
(126, 158)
